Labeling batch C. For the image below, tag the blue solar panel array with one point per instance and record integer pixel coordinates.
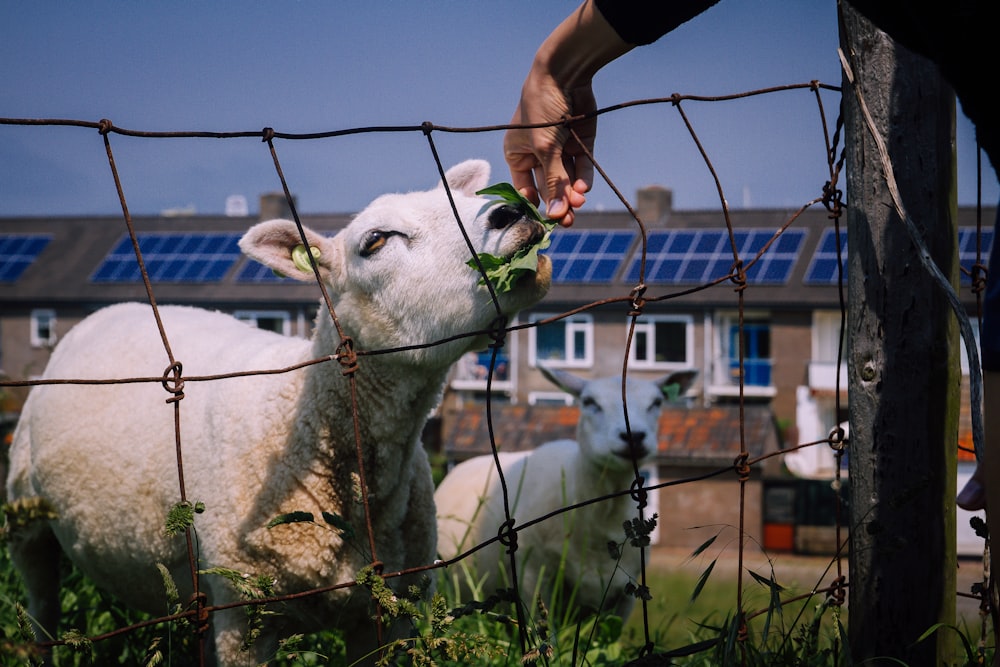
(678, 256)
(171, 258)
(255, 272)
(588, 256)
(17, 252)
(823, 267)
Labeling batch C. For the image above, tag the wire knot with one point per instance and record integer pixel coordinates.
(346, 355)
(105, 126)
(738, 274)
(267, 135)
(498, 331)
(173, 381)
(832, 199)
(838, 594)
(427, 127)
(742, 466)
(508, 536)
(837, 438)
(637, 295)
(638, 493)
(978, 275)
(198, 601)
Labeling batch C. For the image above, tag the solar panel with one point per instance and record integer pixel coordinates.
(255, 272)
(588, 256)
(700, 256)
(17, 252)
(171, 258)
(823, 268)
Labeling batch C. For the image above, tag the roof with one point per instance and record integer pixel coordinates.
(688, 436)
(89, 260)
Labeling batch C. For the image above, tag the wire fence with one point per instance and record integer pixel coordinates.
(352, 362)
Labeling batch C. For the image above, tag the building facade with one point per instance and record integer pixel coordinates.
(671, 296)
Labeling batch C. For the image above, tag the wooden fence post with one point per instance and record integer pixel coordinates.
(904, 375)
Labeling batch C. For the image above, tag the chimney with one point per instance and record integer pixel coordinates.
(653, 204)
(274, 205)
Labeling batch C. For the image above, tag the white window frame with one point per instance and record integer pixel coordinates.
(550, 398)
(38, 316)
(647, 325)
(574, 324)
(251, 317)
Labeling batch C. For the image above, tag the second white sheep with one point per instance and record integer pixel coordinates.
(566, 557)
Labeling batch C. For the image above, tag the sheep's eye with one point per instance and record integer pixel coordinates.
(589, 403)
(373, 241)
(657, 402)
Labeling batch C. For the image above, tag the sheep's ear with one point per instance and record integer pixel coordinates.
(278, 245)
(568, 382)
(468, 177)
(677, 384)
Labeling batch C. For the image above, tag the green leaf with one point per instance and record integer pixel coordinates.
(340, 523)
(702, 580)
(706, 544)
(766, 581)
(504, 272)
(509, 194)
(291, 517)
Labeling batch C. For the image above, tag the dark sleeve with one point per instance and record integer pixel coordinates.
(645, 21)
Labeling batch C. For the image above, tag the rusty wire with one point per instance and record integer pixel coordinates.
(351, 359)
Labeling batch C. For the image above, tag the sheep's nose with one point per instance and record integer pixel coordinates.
(506, 215)
(635, 445)
(633, 439)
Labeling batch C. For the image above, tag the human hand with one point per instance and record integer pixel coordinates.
(548, 160)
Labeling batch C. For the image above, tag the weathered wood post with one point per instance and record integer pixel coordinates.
(904, 375)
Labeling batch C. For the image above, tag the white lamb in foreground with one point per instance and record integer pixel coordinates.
(258, 447)
(567, 554)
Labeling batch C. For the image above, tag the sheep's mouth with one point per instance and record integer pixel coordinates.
(523, 234)
(632, 452)
(518, 261)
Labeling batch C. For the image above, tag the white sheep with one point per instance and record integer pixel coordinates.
(570, 549)
(262, 446)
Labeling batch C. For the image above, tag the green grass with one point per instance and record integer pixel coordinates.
(690, 605)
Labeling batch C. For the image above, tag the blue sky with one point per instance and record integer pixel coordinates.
(311, 66)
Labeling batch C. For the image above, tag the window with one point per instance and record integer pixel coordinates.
(277, 321)
(663, 342)
(756, 353)
(827, 336)
(43, 328)
(473, 369)
(568, 342)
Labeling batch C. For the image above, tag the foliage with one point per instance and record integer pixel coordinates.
(504, 272)
(447, 630)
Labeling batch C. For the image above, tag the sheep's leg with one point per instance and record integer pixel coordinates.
(35, 552)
